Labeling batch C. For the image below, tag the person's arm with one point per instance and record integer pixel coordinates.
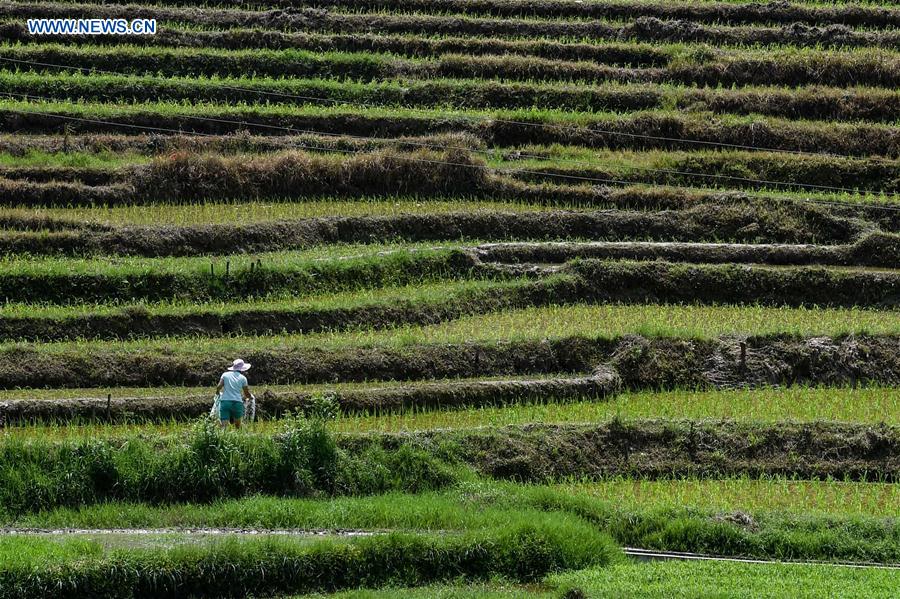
(221, 385)
(247, 392)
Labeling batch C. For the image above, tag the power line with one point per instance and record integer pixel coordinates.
(302, 145)
(489, 153)
(458, 117)
(422, 160)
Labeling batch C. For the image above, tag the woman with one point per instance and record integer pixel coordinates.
(233, 389)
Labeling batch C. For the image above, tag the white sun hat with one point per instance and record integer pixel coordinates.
(239, 366)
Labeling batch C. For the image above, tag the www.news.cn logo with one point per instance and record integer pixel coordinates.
(92, 26)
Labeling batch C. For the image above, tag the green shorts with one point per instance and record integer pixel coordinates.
(231, 410)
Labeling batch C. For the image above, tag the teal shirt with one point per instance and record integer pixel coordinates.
(233, 385)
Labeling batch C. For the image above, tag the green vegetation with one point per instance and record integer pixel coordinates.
(274, 276)
(413, 293)
(749, 171)
(22, 553)
(872, 405)
(542, 125)
(831, 497)
(453, 509)
(478, 506)
(496, 590)
(185, 391)
(555, 322)
(586, 281)
(842, 179)
(526, 552)
(405, 19)
(305, 460)
(301, 187)
(861, 405)
(123, 72)
(266, 211)
(668, 579)
(128, 266)
(205, 465)
(692, 579)
(38, 158)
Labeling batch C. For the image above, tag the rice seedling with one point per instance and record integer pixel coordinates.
(414, 293)
(216, 68)
(871, 405)
(691, 579)
(129, 266)
(266, 211)
(603, 321)
(542, 125)
(829, 497)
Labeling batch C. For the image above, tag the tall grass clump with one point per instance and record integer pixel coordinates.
(185, 176)
(207, 463)
(524, 552)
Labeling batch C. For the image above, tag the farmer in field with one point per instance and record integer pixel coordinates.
(233, 389)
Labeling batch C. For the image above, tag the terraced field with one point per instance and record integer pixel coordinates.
(527, 286)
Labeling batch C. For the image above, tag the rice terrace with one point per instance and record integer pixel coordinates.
(449, 298)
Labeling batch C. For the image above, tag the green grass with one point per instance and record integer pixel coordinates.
(20, 552)
(127, 265)
(426, 511)
(865, 181)
(874, 405)
(129, 475)
(236, 278)
(263, 211)
(38, 158)
(402, 12)
(406, 44)
(472, 505)
(699, 171)
(213, 75)
(820, 497)
(768, 405)
(776, 172)
(427, 293)
(631, 52)
(778, 529)
(184, 391)
(603, 321)
(244, 113)
(494, 590)
(398, 7)
(265, 566)
(668, 580)
(665, 580)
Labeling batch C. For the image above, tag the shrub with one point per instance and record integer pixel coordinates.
(234, 568)
(207, 464)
